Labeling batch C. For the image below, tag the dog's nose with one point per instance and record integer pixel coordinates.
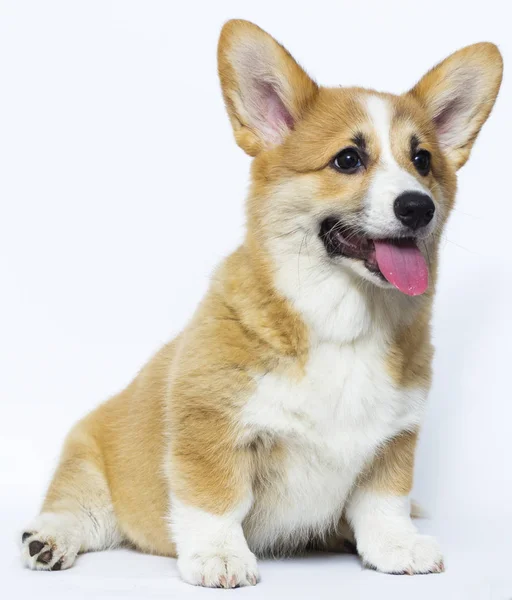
(414, 209)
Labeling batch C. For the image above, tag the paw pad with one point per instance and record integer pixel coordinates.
(35, 547)
(45, 557)
(50, 543)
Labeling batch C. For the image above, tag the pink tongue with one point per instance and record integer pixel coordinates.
(402, 265)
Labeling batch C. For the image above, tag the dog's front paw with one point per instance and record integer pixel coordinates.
(219, 569)
(409, 554)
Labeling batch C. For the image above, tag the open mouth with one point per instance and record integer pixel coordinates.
(399, 261)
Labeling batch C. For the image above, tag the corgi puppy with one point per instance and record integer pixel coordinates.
(285, 415)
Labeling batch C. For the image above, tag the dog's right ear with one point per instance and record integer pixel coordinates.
(264, 89)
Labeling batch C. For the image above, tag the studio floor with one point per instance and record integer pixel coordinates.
(478, 567)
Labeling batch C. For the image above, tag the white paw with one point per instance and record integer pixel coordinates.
(51, 542)
(220, 569)
(403, 554)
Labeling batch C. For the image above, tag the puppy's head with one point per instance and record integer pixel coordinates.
(364, 180)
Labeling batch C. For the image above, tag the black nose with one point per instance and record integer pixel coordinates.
(414, 209)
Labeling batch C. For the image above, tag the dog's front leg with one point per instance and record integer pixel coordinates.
(379, 512)
(210, 479)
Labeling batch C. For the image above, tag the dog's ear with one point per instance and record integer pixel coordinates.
(264, 89)
(459, 94)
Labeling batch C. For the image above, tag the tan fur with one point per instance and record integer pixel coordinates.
(123, 441)
(176, 425)
(410, 355)
(391, 472)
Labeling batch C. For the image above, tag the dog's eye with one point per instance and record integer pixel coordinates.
(421, 161)
(347, 161)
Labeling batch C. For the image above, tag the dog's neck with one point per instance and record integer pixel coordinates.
(335, 303)
(291, 311)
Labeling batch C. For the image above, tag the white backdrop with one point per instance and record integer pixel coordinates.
(121, 187)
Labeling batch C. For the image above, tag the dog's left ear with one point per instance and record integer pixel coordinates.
(459, 94)
(264, 89)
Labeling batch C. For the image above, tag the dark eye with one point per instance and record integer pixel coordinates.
(347, 161)
(421, 161)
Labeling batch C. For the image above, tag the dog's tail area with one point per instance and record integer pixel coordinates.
(417, 511)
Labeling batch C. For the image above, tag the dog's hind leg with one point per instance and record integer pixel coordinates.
(77, 514)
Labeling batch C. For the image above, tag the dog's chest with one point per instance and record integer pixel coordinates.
(328, 424)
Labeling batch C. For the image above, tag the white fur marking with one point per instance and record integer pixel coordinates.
(386, 538)
(390, 180)
(330, 423)
(212, 550)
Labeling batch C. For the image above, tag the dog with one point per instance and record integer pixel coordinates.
(285, 415)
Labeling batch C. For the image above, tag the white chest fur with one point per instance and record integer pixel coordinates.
(330, 423)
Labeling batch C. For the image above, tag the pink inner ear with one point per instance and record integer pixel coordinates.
(455, 110)
(277, 114)
(275, 119)
(444, 119)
